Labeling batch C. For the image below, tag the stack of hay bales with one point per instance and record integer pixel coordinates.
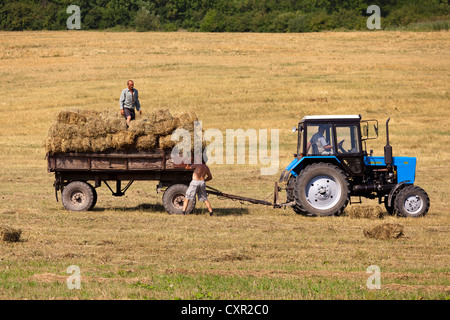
(93, 131)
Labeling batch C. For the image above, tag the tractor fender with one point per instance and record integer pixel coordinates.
(298, 164)
(391, 194)
(295, 167)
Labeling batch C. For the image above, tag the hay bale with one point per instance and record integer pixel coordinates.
(160, 115)
(9, 234)
(141, 127)
(114, 125)
(100, 127)
(165, 127)
(101, 144)
(53, 145)
(163, 122)
(69, 117)
(146, 142)
(385, 231)
(365, 212)
(165, 142)
(108, 114)
(123, 140)
(93, 128)
(187, 120)
(62, 130)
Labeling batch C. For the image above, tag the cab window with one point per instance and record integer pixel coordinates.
(347, 139)
(319, 139)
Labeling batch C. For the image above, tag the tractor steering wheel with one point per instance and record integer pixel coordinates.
(340, 146)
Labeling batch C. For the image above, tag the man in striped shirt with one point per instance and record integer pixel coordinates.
(129, 100)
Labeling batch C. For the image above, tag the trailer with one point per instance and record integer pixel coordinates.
(78, 175)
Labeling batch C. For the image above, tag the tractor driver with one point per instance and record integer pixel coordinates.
(318, 141)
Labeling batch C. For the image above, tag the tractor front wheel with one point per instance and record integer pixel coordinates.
(321, 189)
(412, 201)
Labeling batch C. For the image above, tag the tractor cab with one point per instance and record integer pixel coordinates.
(334, 138)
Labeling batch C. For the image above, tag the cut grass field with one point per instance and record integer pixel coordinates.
(130, 248)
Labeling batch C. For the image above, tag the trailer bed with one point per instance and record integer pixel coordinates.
(75, 170)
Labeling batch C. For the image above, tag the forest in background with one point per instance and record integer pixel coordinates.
(225, 15)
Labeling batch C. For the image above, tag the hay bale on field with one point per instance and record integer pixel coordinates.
(146, 142)
(365, 212)
(9, 234)
(385, 231)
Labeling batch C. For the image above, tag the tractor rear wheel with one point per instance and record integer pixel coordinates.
(290, 195)
(321, 189)
(412, 201)
(173, 199)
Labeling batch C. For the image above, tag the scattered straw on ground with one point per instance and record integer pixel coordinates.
(365, 212)
(385, 231)
(9, 234)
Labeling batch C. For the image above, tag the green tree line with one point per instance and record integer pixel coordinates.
(221, 15)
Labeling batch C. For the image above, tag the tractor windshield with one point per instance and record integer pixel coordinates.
(347, 139)
(319, 137)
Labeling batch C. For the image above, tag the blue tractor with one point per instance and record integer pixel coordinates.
(332, 165)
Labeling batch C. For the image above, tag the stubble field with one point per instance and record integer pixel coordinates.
(130, 248)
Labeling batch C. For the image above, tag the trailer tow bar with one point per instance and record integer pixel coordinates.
(275, 203)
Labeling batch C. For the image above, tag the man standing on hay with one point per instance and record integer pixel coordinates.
(200, 176)
(129, 100)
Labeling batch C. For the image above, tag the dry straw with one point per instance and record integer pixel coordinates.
(365, 212)
(93, 131)
(9, 234)
(385, 231)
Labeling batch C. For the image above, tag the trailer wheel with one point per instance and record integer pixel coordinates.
(78, 196)
(173, 199)
(94, 202)
(412, 201)
(321, 189)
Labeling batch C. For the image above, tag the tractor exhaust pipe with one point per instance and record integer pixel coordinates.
(387, 147)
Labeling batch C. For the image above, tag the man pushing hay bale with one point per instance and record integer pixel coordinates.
(92, 131)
